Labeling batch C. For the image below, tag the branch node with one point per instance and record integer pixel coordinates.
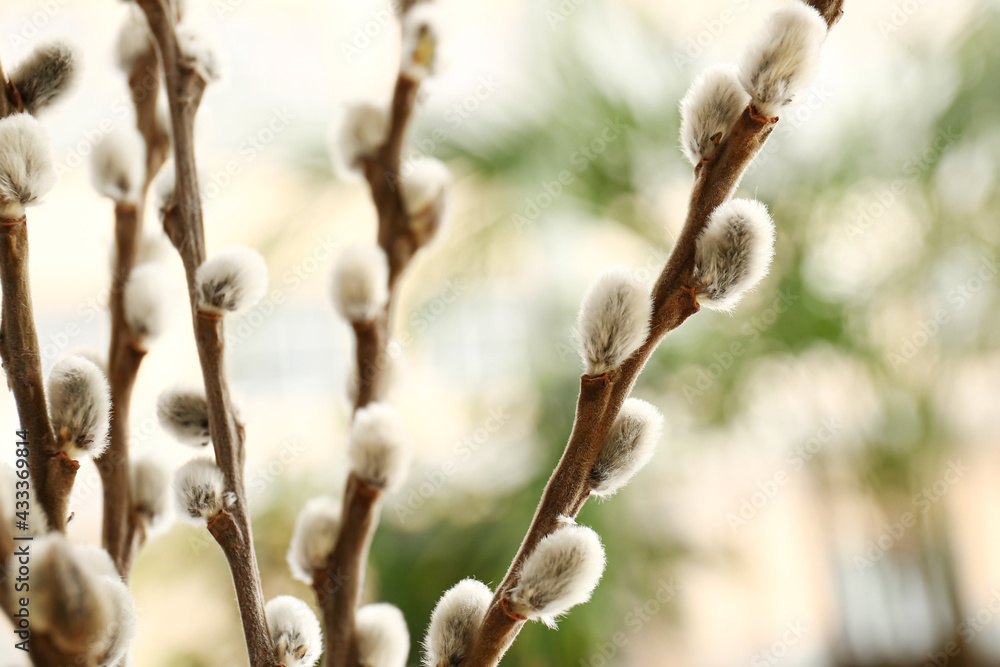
(513, 615)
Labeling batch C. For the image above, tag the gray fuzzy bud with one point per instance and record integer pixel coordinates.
(45, 75)
(80, 406)
(183, 413)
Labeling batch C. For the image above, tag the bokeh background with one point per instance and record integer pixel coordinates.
(827, 489)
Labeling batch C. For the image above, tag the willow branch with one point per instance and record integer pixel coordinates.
(123, 366)
(51, 474)
(716, 178)
(339, 586)
(10, 99)
(360, 507)
(184, 226)
(121, 531)
(20, 355)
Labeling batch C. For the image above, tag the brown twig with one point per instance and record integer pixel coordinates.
(119, 527)
(124, 359)
(52, 478)
(358, 520)
(21, 358)
(10, 99)
(184, 226)
(674, 301)
(339, 587)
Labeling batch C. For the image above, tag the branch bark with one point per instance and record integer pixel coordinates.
(124, 359)
(121, 533)
(339, 587)
(52, 476)
(360, 510)
(184, 226)
(673, 302)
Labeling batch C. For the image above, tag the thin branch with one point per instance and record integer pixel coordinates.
(184, 226)
(53, 479)
(674, 301)
(124, 359)
(10, 99)
(21, 358)
(119, 528)
(339, 586)
(360, 506)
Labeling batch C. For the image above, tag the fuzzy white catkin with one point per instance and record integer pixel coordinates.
(79, 406)
(709, 111)
(165, 187)
(613, 320)
(118, 165)
(232, 281)
(199, 52)
(784, 57)
(357, 133)
(120, 631)
(95, 560)
(454, 623)
(67, 601)
(183, 413)
(26, 171)
(150, 490)
(421, 33)
(295, 632)
(424, 187)
(93, 355)
(135, 41)
(201, 490)
(560, 573)
(380, 447)
(144, 299)
(628, 448)
(45, 75)
(733, 253)
(422, 183)
(314, 537)
(383, 639)
(360, 283)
